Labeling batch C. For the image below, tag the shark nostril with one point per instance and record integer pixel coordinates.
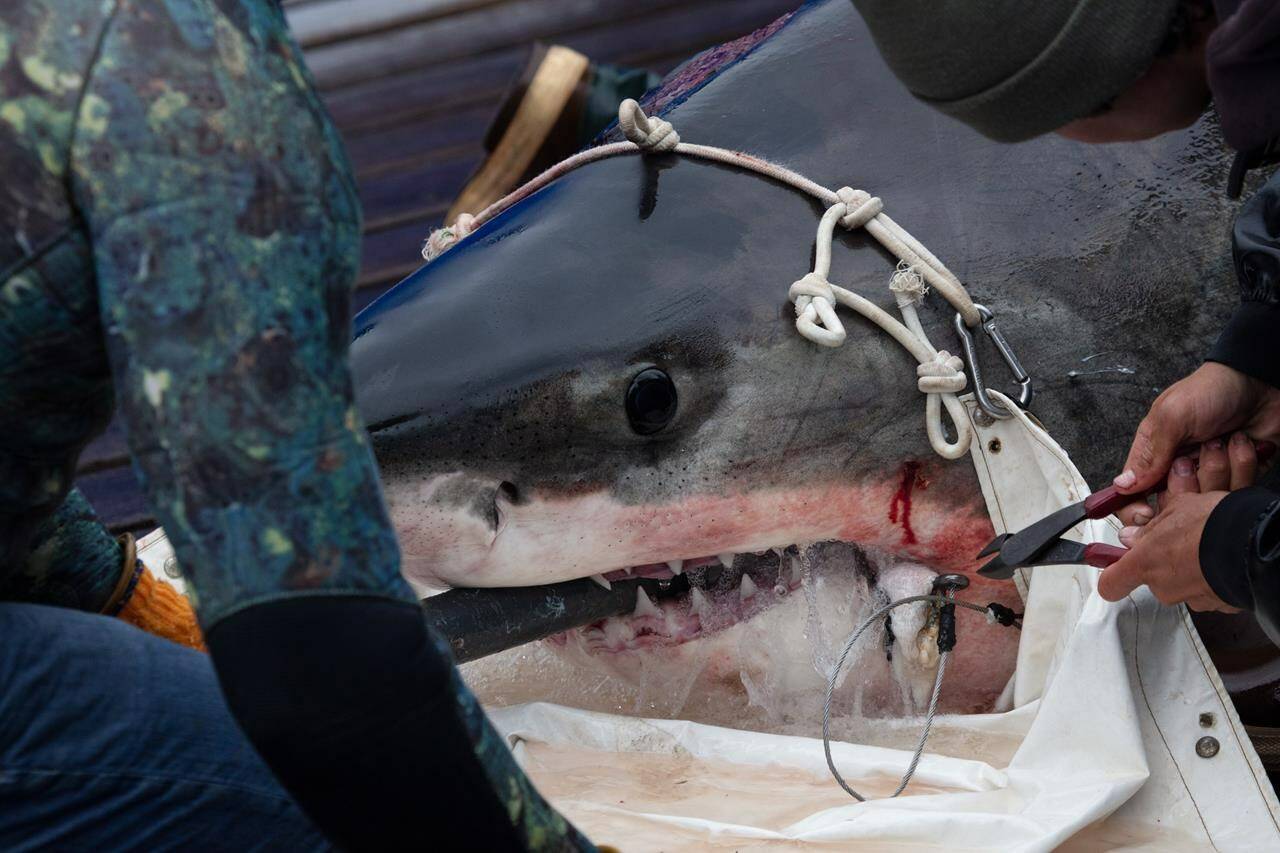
(505, 495)
(508, 492)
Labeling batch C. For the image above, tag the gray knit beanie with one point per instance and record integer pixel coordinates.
(1014, 69)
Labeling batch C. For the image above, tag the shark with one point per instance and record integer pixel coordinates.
(605, 381)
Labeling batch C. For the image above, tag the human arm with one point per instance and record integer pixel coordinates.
(1204, 548)
(225, 232)
(1215, 543)
(1236, 389)
(1247, 344)
(1240, 553)
(1163, 554)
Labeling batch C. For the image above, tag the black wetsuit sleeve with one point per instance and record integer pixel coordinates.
(1240, 554)
(225, 235)
(1235, 556)
(1248, 342)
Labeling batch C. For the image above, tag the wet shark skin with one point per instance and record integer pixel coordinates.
(507, 360)
(493, 380)
(544, 540)
(541, 319)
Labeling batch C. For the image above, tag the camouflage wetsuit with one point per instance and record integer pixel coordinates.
(179, 231)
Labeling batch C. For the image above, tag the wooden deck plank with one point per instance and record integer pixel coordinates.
(118, 498)
(326, 21)
(386, 101)
(109, 450)
(410, 142)
(676, 33)
(467, 34)
(410, 193)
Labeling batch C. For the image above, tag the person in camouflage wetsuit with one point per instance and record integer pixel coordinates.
(179, 231)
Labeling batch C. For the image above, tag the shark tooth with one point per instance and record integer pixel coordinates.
(727, 559)
(698, 602)
(676, 566)
(644, 607)
(602, 580)
(747, 588)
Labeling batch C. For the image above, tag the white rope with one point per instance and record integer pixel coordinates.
(940, 375)
(649, 134)
(444, 239)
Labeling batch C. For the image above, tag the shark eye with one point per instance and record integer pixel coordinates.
(651, 401)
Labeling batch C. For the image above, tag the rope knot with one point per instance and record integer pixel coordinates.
(649, 133)
(943, 375)
(860, 207)
(444, 239)
(812, 286)
(816, 318)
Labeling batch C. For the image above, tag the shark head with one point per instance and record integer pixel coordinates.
(611, 385)
(623, 388)
(606, 380)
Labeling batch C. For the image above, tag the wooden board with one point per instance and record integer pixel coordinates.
(412, 85)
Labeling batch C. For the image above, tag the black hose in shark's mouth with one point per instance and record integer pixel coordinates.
(695, 598)
(657, 604)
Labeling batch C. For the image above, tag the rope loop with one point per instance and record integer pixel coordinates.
(943, 375)
(816, 317)
(860, 207)
(649, 133)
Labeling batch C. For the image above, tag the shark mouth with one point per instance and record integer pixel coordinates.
(684, 600)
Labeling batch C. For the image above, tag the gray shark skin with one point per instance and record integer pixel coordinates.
(493, 380)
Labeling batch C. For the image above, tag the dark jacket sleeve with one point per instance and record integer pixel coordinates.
(1247, 343)
(1240, 546)
(1240, 554)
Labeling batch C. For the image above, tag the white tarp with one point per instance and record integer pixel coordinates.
(1097, 751)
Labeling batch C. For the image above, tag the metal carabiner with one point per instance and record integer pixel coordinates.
(1025, 392)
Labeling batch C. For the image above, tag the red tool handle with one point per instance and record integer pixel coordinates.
(1104, 502)
(1100, 556)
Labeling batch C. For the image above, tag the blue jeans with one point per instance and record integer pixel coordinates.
(112, 739)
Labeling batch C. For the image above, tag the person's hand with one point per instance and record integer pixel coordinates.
(1211, 402)
(1165, 554)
